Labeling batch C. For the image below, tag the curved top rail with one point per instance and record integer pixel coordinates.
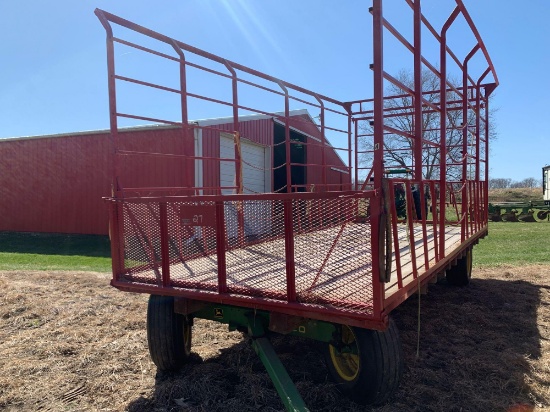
(475, 32)
(106, 16)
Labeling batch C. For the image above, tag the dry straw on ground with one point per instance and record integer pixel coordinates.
(68, 341)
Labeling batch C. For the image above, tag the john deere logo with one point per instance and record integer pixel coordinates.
(218, 313)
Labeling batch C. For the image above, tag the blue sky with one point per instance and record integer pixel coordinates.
(53, 64)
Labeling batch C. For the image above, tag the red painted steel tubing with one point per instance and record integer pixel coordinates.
(433, 196)
(397, 250)
(112, 99)
(475, 32)
(443, 125)
(323, 140)
(410, 219)
(164, 245)
(187, 138)
(473, 192)
(117, 254)
(220, 247)
(378, 166)
(418, 116)
(235, 108)
(423, 205)
(106, 16)
(289, 251)
(466, 200)
(327, 313)
(352, 194)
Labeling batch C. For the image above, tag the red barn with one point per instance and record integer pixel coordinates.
(56, 183)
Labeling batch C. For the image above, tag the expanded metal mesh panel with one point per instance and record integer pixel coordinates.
(333, 254)
(142, 250)
(322, 246)
(256, 256)
(250, 221)
(192, 244)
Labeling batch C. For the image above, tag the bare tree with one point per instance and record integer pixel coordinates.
(399, 149)
(502, 183)
(517, 185)
(499, 183)
(531, 182)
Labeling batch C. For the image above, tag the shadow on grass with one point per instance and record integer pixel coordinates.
(55, 244)
(474, 348)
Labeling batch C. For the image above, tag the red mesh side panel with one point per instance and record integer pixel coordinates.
(141, 229)
(192, 240)
(328, 238)
(256, 260)
(332, 254)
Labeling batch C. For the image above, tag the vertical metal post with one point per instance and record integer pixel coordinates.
(323, 144)
(272, 154)
(237, 151)
(164, 245)
(235, 107)
(393, 213)
(433, 195)
(478, 134)
(418, 118)
(486, 185)
(377, 231)
(356, 148)
(288, 166)
(348, 109)
(220, 247)
(466, 200)
(289, 251)
(111, 81)
(410, 219)
(422, 189)
(117, 253)
(188, 138)
(443, 128)
(478, 162)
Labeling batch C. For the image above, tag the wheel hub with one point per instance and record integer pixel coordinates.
(345, 358)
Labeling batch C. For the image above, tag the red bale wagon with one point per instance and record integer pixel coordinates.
(356, 215)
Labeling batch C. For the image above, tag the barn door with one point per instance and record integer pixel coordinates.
(256, 179)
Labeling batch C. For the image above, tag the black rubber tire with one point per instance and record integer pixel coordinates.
(379, 367)
(168, 334)
(461, 274)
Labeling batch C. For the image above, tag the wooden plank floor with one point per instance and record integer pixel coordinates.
(332, 265)
(452, 241)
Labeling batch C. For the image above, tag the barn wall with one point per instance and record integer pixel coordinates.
(315, 158)
(145, 171)
(55, 184)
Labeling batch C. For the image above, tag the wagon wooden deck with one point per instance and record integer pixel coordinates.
(333, 266)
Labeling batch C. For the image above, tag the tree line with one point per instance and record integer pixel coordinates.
(504, 183)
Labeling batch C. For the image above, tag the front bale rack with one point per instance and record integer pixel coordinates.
(274, 222)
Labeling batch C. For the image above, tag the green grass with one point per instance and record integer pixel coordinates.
(46, 251)
(507, 244)
(514, 243)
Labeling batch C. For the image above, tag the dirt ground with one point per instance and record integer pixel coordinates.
(69, 341)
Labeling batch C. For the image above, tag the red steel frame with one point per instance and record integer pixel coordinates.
(471, 99)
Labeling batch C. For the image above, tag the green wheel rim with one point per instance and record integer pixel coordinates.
(346, 363)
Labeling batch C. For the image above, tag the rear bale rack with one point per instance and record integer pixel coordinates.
(290, 224)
